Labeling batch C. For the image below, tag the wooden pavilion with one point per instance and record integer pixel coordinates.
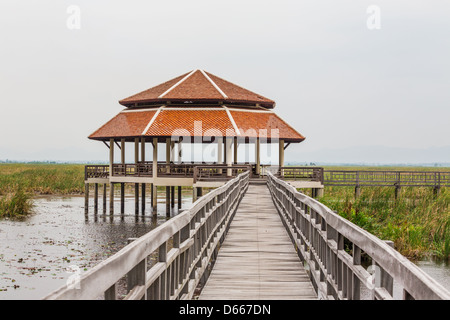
(196, 107)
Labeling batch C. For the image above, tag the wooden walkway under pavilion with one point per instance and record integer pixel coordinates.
(257, 259)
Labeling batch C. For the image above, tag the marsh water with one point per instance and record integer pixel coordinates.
(41, 252)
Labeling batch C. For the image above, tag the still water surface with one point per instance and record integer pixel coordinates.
(38, 254)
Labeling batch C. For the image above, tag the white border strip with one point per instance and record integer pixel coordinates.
(216, 108)
(151, 121)
(214, 84)
(177, 84)
(232, 121)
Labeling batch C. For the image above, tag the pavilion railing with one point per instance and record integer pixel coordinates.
(332, 249)
(168, 262)
(219, 172)
(96, 171)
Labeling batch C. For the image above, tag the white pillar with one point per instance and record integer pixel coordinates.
(235, 150)
(229, 154)
(143, 149)
(257, 156)
(122, 151)
(168, 147)
(219, 150)
(180, 152)
(155, 158)
(111, 156)
(136, 150)
(281, 155)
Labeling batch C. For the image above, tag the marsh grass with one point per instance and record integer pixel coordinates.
(42, 178)
(16, 205)
(417, 221)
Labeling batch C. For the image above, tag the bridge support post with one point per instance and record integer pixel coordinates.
(111, 199)
(104, 198)
(357, 191)
(194, 194)
(122, 199)
(319, 192)
(143, 187)
(95, 198)
(397, 192)
(436, 191)
(172, 196)
(136, 198)
(167, 201)
(179, 197)
(154, 199)
(86, 199)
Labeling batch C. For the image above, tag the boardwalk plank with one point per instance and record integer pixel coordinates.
(257, 259)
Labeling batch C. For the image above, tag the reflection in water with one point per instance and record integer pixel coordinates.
(39, 254)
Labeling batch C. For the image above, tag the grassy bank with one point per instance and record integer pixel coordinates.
(42, 178)
(418, 222)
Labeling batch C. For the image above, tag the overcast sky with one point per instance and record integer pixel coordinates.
(339, 83)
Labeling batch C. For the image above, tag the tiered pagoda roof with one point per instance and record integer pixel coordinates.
(197, 103)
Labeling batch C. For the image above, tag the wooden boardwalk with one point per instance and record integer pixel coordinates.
(257, 259)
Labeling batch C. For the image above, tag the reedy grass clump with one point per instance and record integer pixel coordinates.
(418, 221)
(16, 205)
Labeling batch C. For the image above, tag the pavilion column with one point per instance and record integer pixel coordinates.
(257, 156)
(180, 151)
(143, 186)
(155, 175)
(136, 185)
(111, 157)
(219, 152)
(281, 155)
(228, 154)
(168, 149)
(122, 185)
(235, 150)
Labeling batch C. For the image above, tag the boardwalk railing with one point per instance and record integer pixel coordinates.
(301, 173)
(218, 172)
(332, 247)
(169, 261)
(386, 178)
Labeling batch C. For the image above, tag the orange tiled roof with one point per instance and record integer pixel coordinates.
(125, 124)
(197, 121)
(197, 85)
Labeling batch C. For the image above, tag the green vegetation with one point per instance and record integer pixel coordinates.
(418, 221)
(15, 205)
(18, 182)
(42, 178)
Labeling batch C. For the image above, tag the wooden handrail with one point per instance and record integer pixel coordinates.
(196, 234)
(320, 235)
